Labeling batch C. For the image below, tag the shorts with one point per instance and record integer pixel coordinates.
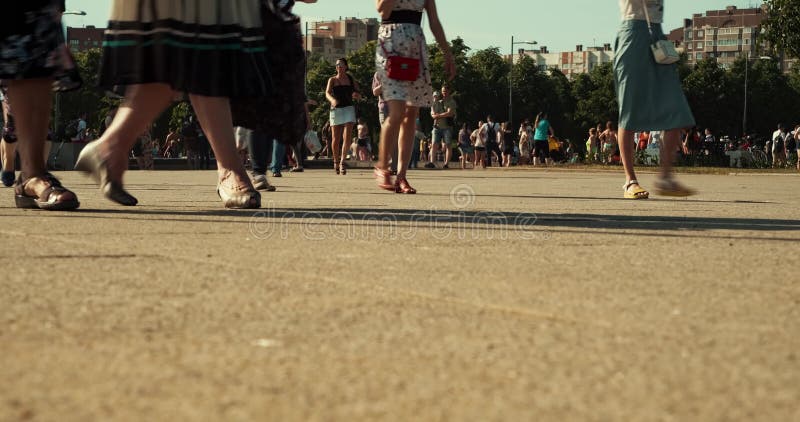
(480, 149)
(508, 148)
(342, 116)
(466, 149)
(363, 142)
(443, 135)
(541, 149)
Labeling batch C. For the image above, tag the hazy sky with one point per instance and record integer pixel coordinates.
(560, 25)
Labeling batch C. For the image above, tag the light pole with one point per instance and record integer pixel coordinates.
(510, 69)
(746, 67)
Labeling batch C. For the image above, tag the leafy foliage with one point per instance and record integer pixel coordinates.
(782, 27)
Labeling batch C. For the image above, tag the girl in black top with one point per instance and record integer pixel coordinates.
(341, 91)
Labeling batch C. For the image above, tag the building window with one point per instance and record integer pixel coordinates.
(748, 30)
(709, 43)
(700, 34)
(699, 56)
(698, 46)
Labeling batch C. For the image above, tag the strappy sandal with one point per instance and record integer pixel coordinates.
(384, 179)
(89, 162)
(401, 185)
(670, 187)
(636, 193)
(343, 167)
(52, 198)
(336, 168)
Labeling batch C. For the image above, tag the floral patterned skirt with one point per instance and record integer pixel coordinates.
(32, 45)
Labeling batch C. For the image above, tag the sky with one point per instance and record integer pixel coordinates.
(560, 25)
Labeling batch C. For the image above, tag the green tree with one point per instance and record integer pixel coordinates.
(782, 26)
(596, 98)
(88, 99)
(707, 88)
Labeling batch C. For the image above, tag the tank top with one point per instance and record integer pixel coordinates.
(344, 94)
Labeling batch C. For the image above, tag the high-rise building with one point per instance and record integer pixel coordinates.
(82, 39)
(335, 39)
(725, 35)
(571, 63)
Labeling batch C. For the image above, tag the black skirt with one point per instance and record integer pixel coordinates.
(280, 115)
(206, 47)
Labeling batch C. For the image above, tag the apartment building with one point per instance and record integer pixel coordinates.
(335, 39)
(82, 39)
(571, 63)
(725, 34)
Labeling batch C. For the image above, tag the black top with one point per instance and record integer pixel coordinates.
(344, 94)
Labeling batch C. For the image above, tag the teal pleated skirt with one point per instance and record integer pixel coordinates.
(650, 95)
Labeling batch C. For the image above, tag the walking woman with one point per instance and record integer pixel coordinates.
(400, 34)
(209, 49)
(341, 91)
(32, 57)
(649, 94)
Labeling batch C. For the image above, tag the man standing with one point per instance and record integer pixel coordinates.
(779, 138)
(443, 112)
(491, 128)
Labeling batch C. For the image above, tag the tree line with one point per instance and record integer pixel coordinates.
(716, 95)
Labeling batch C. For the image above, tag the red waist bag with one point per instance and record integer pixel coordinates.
(401, 68)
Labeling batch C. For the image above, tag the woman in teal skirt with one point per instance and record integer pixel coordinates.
(650, 95)
(157, 50)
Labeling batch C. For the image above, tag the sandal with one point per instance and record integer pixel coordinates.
(53, 198)
(635, 193)
(344, 169)
(401, 185)
(336, 168)
(670, 187)
(89, 162)
(384, 179)
(7, 178)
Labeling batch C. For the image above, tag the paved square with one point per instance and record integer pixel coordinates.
(490, 295)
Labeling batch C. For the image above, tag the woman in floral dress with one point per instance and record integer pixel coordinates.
(400, 34)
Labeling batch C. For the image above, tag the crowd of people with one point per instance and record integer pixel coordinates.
(154, 55)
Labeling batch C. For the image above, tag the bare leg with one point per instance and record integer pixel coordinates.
(214, 115)
(347, 138)
(406, 140)
(667, 152)
(31, 100)
(336, 148)
(142, 105)
(626, 153)
(390, 132)
(8, 152)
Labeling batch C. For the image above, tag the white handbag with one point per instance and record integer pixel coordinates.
(663, 50)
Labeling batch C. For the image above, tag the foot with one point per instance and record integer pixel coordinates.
(384, 179)
(667, 186)
(237, 192)
(445, 166)
(343, 168)
(297, 170)
(260, 182)
(44, 192)
(93, 163)
(632, 190)
(276, 174)
(8, 178)
(430, 166)
(401, 185)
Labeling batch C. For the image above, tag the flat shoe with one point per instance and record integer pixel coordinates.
(89, 162)
(669, 187)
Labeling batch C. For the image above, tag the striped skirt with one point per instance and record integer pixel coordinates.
(206, 47)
